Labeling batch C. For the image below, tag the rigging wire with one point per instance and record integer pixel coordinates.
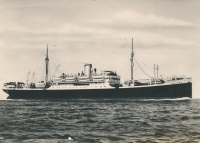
(127, 69)
(42, 75)
(147, 66)
(143, 62)
(36, 67)
(125, 65)
(172, 69)
(49, 71)
(81, 62)
(53, 52)
(33, 59)
(54, 72)
(110, 53)
(160, 66)
(138, 72)
(141, 68)
(54, 64)
(125, 73)
(64, 63)
(38, 63)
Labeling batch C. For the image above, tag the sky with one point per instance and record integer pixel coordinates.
(100, 32)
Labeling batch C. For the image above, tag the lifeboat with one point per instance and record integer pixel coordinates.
(83, 79)
(57, 79)
(40, 85)
(10, 86)
(69, 80)
(98, 77)
(86, 80)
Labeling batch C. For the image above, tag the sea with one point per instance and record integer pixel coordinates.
(100, 121)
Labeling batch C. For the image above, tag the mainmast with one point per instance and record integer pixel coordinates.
(47, 65)
(132, 64)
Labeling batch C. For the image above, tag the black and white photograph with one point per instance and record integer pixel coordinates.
(99, 71)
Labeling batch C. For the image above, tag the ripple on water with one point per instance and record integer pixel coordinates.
(102, 120)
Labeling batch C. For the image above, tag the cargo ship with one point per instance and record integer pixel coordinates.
(106, 84)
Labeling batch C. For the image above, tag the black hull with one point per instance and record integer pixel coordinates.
(147, 92)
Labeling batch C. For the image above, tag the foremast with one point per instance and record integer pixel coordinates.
(47, 66)
(132, 64)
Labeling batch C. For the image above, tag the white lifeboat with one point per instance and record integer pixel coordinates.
(10, 86)
(39, 85)
(57, 79)
(83, 79)
(97, 76)
(69, 78)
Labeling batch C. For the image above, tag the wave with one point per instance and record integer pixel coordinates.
(178, 99)
(170, 99)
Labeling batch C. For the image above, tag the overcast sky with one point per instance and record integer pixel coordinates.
(165, 32)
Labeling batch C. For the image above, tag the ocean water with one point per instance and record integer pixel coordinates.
(100, 120)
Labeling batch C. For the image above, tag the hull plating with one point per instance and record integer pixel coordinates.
(147, 92)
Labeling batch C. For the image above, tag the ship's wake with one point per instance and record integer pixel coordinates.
(171, 99)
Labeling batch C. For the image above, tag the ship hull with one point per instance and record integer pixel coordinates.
(143, 92)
